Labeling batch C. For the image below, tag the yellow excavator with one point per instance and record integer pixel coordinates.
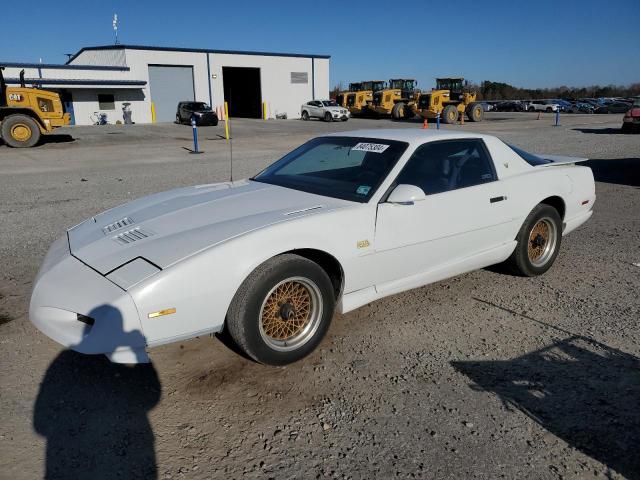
(27, 113)
(449, 100)
(358, 99)
(397, 100)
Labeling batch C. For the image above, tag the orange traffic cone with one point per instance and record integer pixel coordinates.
(425, 125)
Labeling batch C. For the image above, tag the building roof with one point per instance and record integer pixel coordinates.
(197, 50)
(78, 82)
(62, 66)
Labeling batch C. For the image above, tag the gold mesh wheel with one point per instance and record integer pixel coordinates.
(542, 241)
(290, 313)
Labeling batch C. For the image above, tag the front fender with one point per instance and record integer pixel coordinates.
(201, 287)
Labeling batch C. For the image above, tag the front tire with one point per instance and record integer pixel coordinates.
(475, 112)
(282, 310)
(539, 242)
(328, 117)
(20, 131)
(305, 115)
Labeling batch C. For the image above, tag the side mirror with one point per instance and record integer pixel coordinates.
(405, 194)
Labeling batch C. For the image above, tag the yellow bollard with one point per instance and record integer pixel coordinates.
(153, 112)
(226, 120)
(462, 118)
(264, 110)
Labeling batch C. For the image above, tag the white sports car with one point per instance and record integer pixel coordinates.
(341, 221)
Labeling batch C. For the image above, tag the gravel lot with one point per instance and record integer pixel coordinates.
(482, 376)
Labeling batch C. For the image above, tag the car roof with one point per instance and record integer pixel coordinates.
(410, 135)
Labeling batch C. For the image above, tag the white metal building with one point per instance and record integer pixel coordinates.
(101, 79)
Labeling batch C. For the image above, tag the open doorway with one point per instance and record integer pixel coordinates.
(242, 91)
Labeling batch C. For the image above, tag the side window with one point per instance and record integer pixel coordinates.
(438, 167)
(106, 101)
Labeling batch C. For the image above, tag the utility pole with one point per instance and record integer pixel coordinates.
(115, 26)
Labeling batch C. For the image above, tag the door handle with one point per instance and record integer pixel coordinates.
(497, 199)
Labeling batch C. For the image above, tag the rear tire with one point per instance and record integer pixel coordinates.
(549, 110)
(539, 242)
(475, 112)
(178, 121)
(282, 310)
(626, 128)
(20, 131)
(450, 114)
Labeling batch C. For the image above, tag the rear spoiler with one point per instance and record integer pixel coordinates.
(560, 160)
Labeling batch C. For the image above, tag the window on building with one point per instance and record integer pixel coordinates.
(299, 77)
(106, 101)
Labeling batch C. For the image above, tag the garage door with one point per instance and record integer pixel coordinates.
(170, 84)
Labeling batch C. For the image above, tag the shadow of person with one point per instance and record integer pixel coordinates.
(580, 390)
(93, 414)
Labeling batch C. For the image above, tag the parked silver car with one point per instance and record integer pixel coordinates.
(328, 110)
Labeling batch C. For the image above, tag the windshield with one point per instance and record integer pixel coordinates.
(530, 158)
(329, 103)
(636, 102)
(377, 86)
(198, 106)
(349, 168)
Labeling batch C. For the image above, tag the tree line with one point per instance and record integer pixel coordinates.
(489, 90)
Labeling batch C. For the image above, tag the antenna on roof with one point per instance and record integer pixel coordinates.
(115, 26)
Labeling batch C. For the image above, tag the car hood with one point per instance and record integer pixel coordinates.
(167, 227)
(334, 109)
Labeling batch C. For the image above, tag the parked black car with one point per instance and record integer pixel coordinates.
(615, 107)
(509, 106)
(202, 112)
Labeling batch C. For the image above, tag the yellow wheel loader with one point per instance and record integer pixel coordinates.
(397, 100)
(358, 99)
(341, 98)
(449, 100)
(27, 113)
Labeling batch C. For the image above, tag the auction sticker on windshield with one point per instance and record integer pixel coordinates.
(371, 147)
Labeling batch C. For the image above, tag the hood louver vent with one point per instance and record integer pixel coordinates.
(131, 236)
(117, 225)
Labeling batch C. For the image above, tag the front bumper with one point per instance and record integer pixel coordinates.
(206, 119)
(82, 310)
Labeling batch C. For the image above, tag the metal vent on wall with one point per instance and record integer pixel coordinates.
(112, 227)
(131, 236)
(299, 77)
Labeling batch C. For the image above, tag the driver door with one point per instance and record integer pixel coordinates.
(464, 213)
